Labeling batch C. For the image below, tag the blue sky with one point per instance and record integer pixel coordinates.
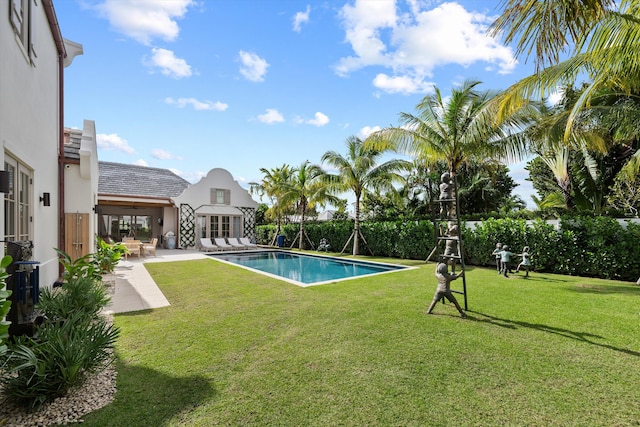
(191, 85)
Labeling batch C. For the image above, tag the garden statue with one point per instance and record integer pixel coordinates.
(496, 253)
(451, 247)
(323, 245)
(444, 288)
(505, 260)
(526, 261)
(446, 195)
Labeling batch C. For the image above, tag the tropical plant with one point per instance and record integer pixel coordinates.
(5, 304)
(308, 187)
(360, 171)
(42, 368)
(107, 255)
(273, 185)
(80, 267)
(77, 295)
(458, 129)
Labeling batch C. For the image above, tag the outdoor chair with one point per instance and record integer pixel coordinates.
(133, 248)
(245, 241)
(236, 243)
(150, 248)
(222, 244)
(207, 245)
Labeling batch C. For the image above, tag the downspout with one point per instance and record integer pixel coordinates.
(57, 37)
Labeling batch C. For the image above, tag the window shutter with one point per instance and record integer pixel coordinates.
(212, 196)
(32, 30)
(15, 13)
(227, 197)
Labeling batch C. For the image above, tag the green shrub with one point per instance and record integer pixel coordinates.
(77, 295)
(41, 368)
(5, 304)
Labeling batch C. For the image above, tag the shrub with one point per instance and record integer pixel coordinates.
(5, 304)
(63, 353)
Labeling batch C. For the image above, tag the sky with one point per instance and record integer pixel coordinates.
(192, 85)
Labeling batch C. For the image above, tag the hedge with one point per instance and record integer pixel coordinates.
(582, 246)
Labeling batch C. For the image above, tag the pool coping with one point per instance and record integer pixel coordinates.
(400, 267)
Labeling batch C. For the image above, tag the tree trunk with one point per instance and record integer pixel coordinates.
(356, 229)
(301, 243)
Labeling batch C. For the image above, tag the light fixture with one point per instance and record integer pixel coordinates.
(5, 178)
(46, 199)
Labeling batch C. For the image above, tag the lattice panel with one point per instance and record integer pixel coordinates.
(249, 223)
(187, 226)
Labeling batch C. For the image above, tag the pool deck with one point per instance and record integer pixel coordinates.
(134, 288)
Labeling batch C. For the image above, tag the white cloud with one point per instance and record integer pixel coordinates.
(253, 67)
(160, 154)
(412, 45)
(196, 104)
(555, 97)
(192, 177)
(140, 162)
(169, 64)
(402, 84)
(319, 120)
(368, 130)
(271, 116)
(113, 142)
(301, 18)
(144, 20)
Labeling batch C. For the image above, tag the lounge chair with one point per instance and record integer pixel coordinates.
(222, 244)
(245, 241)
(150, 247)
(207, 245)
(236, 243)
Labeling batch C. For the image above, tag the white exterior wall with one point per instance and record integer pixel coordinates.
(81, 181)
(199, 194)
(29, 127)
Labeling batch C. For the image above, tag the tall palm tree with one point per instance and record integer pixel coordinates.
(458, 128)
(605, 36)
(359, 172)
(306, 188)
(273, 185)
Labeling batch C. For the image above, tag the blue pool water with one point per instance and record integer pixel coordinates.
(304, 269)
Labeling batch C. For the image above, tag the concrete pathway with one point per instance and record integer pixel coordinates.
(135, 289)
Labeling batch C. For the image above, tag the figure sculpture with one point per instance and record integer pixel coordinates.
(505, 260)
(496, 253)
(451, 247)
(444, 288)
(446, 194)
(526, 261)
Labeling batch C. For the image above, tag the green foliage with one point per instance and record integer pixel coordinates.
(107, 255)
(5, 305)
(60, 357)
(585, 246)
(82, 294)
(81, 267)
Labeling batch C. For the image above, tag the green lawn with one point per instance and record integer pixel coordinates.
(237, 348)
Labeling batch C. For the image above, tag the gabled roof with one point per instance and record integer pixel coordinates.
(141, 181)
(72, 143)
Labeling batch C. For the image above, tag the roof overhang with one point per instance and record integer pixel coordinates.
(218, 210)
(133, 201)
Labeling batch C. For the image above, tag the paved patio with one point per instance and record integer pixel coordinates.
(135, 290)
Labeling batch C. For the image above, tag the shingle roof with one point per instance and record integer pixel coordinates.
(72, 147)
(132, 180)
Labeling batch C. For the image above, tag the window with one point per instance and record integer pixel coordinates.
(137, 226)
(17, 202)
(22, 17)
(220, 196)
(219, 226)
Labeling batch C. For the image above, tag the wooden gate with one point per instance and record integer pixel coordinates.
(76, 240)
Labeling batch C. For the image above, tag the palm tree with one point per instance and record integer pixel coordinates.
(458, 128)
(273, 185)
(359, 172)
(306, 188)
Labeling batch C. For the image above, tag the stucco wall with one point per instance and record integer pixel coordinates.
(199, 194)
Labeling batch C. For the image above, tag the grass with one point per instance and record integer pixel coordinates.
(238, 348)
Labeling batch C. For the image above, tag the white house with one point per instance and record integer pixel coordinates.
(216, 206)
(33, 56)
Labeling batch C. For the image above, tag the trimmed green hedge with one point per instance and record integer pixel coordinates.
(583, 246)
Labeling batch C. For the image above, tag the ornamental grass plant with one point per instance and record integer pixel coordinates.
(240, 348)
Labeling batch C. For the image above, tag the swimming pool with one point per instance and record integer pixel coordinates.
(303, 269)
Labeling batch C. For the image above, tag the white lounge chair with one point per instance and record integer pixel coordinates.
(245, 241)
(222, 244)
(206, 245)
(235, 243)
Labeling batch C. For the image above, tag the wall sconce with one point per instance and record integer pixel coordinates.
(5, 178)
(46, 199)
